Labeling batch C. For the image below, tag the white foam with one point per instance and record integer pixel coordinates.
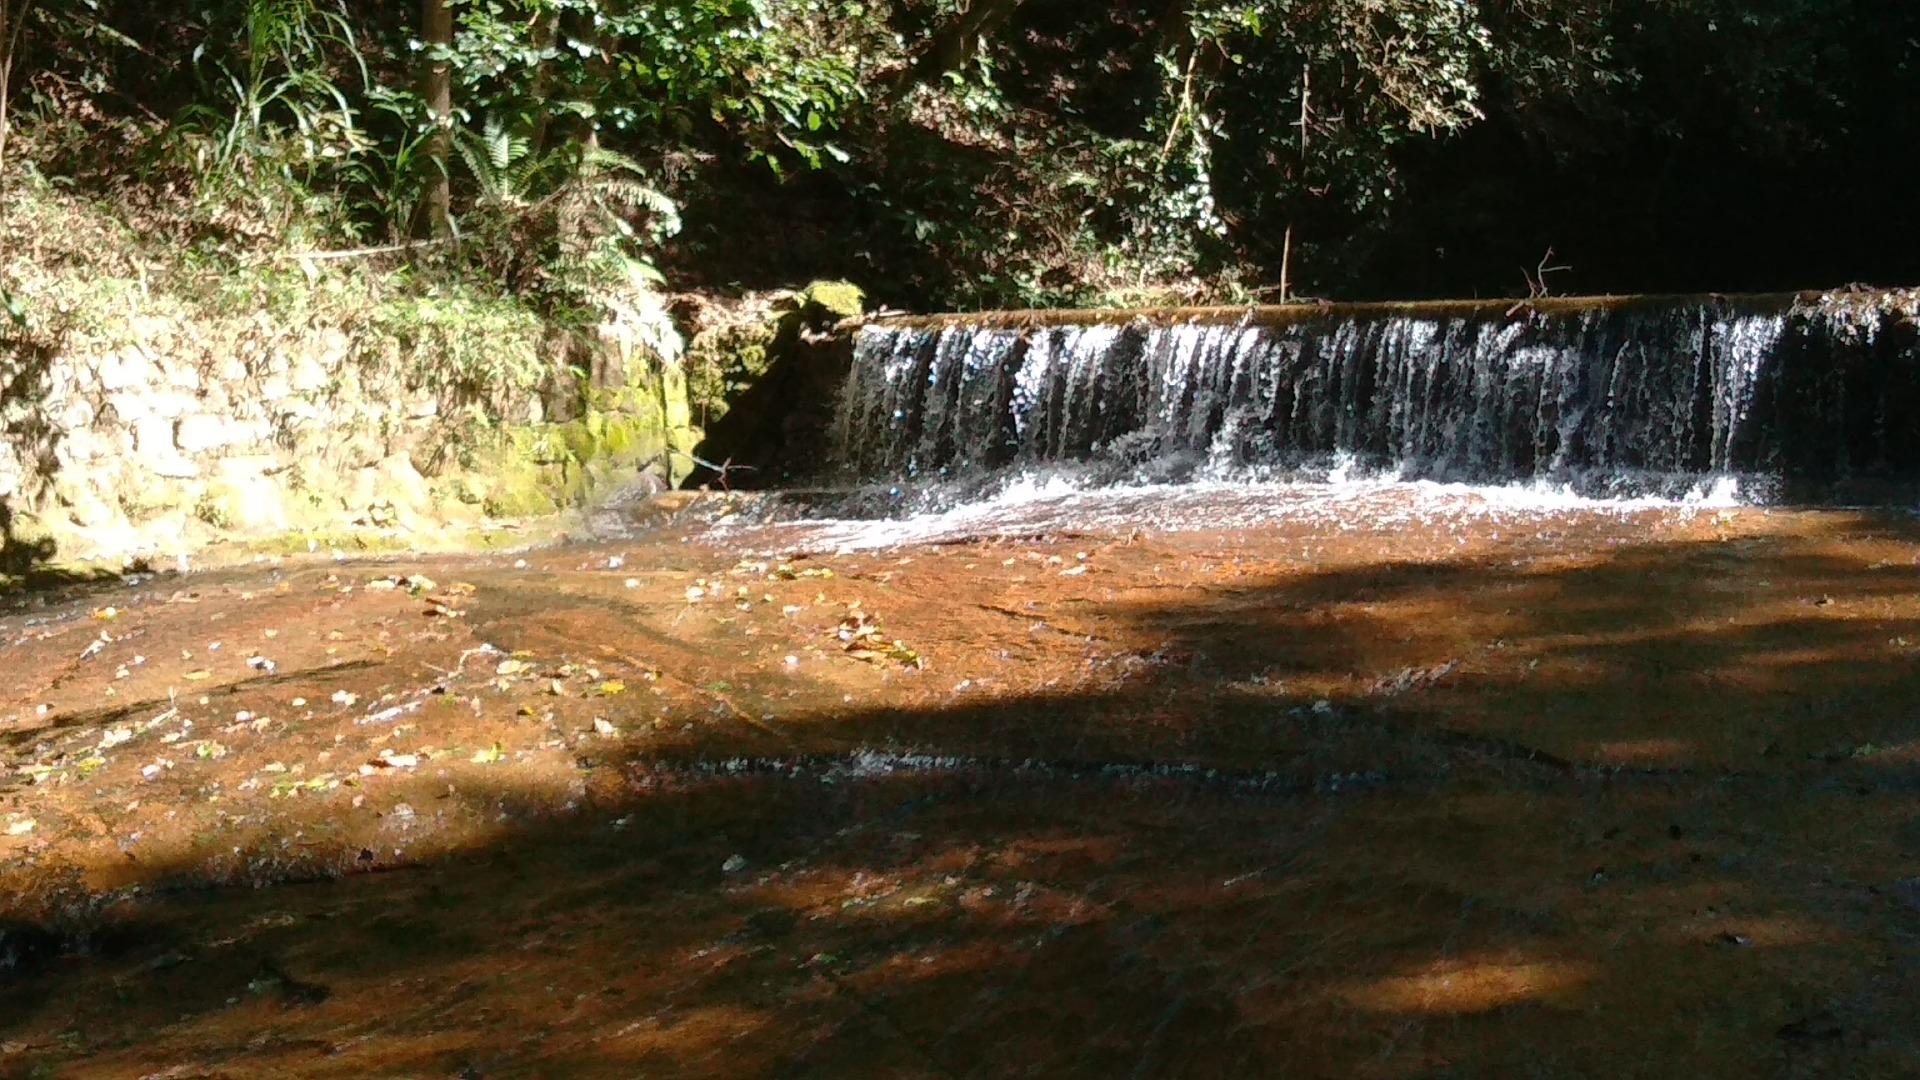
(1346, 501)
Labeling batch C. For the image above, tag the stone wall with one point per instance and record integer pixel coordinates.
(172, 434)
(766, 374)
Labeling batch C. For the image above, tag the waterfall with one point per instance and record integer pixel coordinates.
(1791, 397)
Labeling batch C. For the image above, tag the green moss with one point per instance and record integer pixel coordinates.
(632, 440)
(521, 489)
(539, 470)
(310, 541)
(213, 509)
(468, 490)
(576, 485)
(840, 299)
(580, 439)
(619, 438)
(537, 443)
(521, 502)
(723, 362)
(675, 401)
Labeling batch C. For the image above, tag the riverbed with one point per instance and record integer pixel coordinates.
(1358, 779)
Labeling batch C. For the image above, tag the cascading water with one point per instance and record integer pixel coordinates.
(1790, 397)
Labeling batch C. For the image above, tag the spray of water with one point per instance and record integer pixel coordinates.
(1681, 401)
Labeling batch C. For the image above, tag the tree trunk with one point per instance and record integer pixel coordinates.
(13, 26)
(544, 33)
(436, 25)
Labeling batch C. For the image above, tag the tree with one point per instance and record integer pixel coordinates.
(13, 27)
(436, 27)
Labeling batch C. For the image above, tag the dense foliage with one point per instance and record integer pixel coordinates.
(970, 152)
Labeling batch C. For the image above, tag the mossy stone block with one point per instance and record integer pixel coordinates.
(840, 299)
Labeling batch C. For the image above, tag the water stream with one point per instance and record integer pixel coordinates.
(1770, 398)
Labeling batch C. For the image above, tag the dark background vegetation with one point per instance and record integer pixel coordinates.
(1759, 147)
(959, 153)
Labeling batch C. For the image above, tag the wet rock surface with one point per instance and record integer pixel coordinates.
(1367, 794)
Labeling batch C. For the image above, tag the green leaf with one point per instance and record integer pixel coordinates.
(16, 309)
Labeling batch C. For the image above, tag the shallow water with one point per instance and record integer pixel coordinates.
(1353, 777)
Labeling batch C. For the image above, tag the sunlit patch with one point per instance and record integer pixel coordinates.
(1061, 851)
(1778, 662)
(1458, 987)
(1644, 752)
(1903, 754)
(1779, 931)
(689, 1034)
